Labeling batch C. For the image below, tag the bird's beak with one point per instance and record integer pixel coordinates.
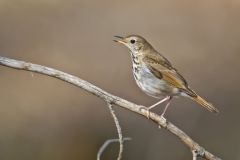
(120, 40)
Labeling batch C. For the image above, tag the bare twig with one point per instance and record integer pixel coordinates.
(189, 142)
(119, 130)
(107, 143)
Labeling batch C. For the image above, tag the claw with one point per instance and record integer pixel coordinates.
(164, 119)
(147, 109)
(148, 113)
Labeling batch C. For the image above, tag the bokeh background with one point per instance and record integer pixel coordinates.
(42, 118)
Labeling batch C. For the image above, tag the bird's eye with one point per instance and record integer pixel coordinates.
(132, 41)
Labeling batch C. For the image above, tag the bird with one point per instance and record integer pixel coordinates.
(156, 76)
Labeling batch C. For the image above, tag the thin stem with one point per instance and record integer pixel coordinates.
(119, 130)
(106, 144)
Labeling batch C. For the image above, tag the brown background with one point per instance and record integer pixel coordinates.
(42, 118)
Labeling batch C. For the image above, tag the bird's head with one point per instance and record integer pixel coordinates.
(135, 43)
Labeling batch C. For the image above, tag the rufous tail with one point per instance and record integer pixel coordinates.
(205, 104)
(193, 95)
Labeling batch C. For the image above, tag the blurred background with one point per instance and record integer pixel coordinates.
(43, 118)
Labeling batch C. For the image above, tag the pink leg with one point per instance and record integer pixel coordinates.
(166, 107)
(168, 98)
(163, 100)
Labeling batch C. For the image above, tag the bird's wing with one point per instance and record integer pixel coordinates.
(163, 69)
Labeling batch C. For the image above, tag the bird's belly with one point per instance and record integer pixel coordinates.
(154, 86)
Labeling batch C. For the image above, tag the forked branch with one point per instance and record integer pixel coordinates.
(189, 142)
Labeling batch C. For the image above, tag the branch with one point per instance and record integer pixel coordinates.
(119, 130)
(189, 142)
(106, 143)
(120, 137)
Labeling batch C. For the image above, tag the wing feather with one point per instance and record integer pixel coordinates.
(163, 69)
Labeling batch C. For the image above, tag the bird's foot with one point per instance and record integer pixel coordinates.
(163, 118)
(147, 109)
(148, 113)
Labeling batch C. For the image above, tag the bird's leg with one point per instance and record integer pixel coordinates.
(154, 105)
(159, 102)
(166, 107)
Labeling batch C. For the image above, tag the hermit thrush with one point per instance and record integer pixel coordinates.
(156, 76)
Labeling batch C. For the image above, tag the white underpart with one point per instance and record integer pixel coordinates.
(152, 85)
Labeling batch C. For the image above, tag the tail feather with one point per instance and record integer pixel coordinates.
(193, 95)
(205, 104)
